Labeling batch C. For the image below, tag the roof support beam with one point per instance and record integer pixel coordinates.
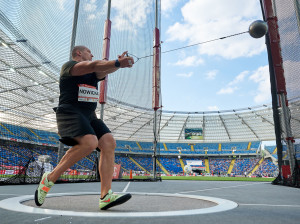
(183, 126)
(167, 123)
(263, 119)
(225, 127)
(244, 122)
(204, 128)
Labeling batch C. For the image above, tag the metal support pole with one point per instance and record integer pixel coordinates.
(74, 28)
(276, 117)
(60, 153)
(102, 111)
(287, 129)
(154, 144)
(105, 56)
(156, 85)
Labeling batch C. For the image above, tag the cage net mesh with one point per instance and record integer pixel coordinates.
(35, 40)
(288, 27)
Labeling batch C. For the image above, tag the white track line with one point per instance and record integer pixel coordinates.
(218, 188)
(297, 206)
(15, 204)
(10, 194)
(37, 220)
(125, 189)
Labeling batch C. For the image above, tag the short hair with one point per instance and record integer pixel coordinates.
(77, 48)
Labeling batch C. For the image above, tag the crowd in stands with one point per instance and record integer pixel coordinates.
(171, 164)
(219, 166)
(126, 163)
(244, 166)
(18, 154)
(22, 154)
(267, 169)
(87, 163)
(146, 162)
(19, 144)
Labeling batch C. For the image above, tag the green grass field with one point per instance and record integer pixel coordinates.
(205, 178)
(217, 178)
(191, 178)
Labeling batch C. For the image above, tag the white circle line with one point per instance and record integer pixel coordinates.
(14, 204)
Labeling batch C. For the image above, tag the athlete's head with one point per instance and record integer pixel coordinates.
(82, 53)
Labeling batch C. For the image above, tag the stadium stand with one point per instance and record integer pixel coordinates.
(147, 145)
(126, 163)
(272, 150)
(244, 166)
(297, 151)
(172, 164)
(267, 169)
(237, 145)
(127, 144)
(203, 146)
(20, 145)
(24, 134)
(219, 166)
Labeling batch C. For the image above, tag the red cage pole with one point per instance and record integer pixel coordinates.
(275, 46)
(275, 50)
(156, 83)
(156, 70)
(105, 56)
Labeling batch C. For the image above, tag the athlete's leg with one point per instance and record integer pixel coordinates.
(87, 144)
(107, 145)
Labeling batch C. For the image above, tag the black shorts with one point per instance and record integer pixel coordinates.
(76, 121)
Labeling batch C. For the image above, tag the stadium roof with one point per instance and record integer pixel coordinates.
(29, 90)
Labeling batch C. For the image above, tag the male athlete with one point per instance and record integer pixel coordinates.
(78, 125)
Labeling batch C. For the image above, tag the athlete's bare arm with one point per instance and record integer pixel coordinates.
(101, 67)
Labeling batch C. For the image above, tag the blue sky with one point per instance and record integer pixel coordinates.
(225, 74)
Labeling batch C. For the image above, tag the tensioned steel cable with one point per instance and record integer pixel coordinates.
(176, 49)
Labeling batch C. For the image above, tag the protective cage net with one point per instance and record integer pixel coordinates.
(288, 14)
(35, 40)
